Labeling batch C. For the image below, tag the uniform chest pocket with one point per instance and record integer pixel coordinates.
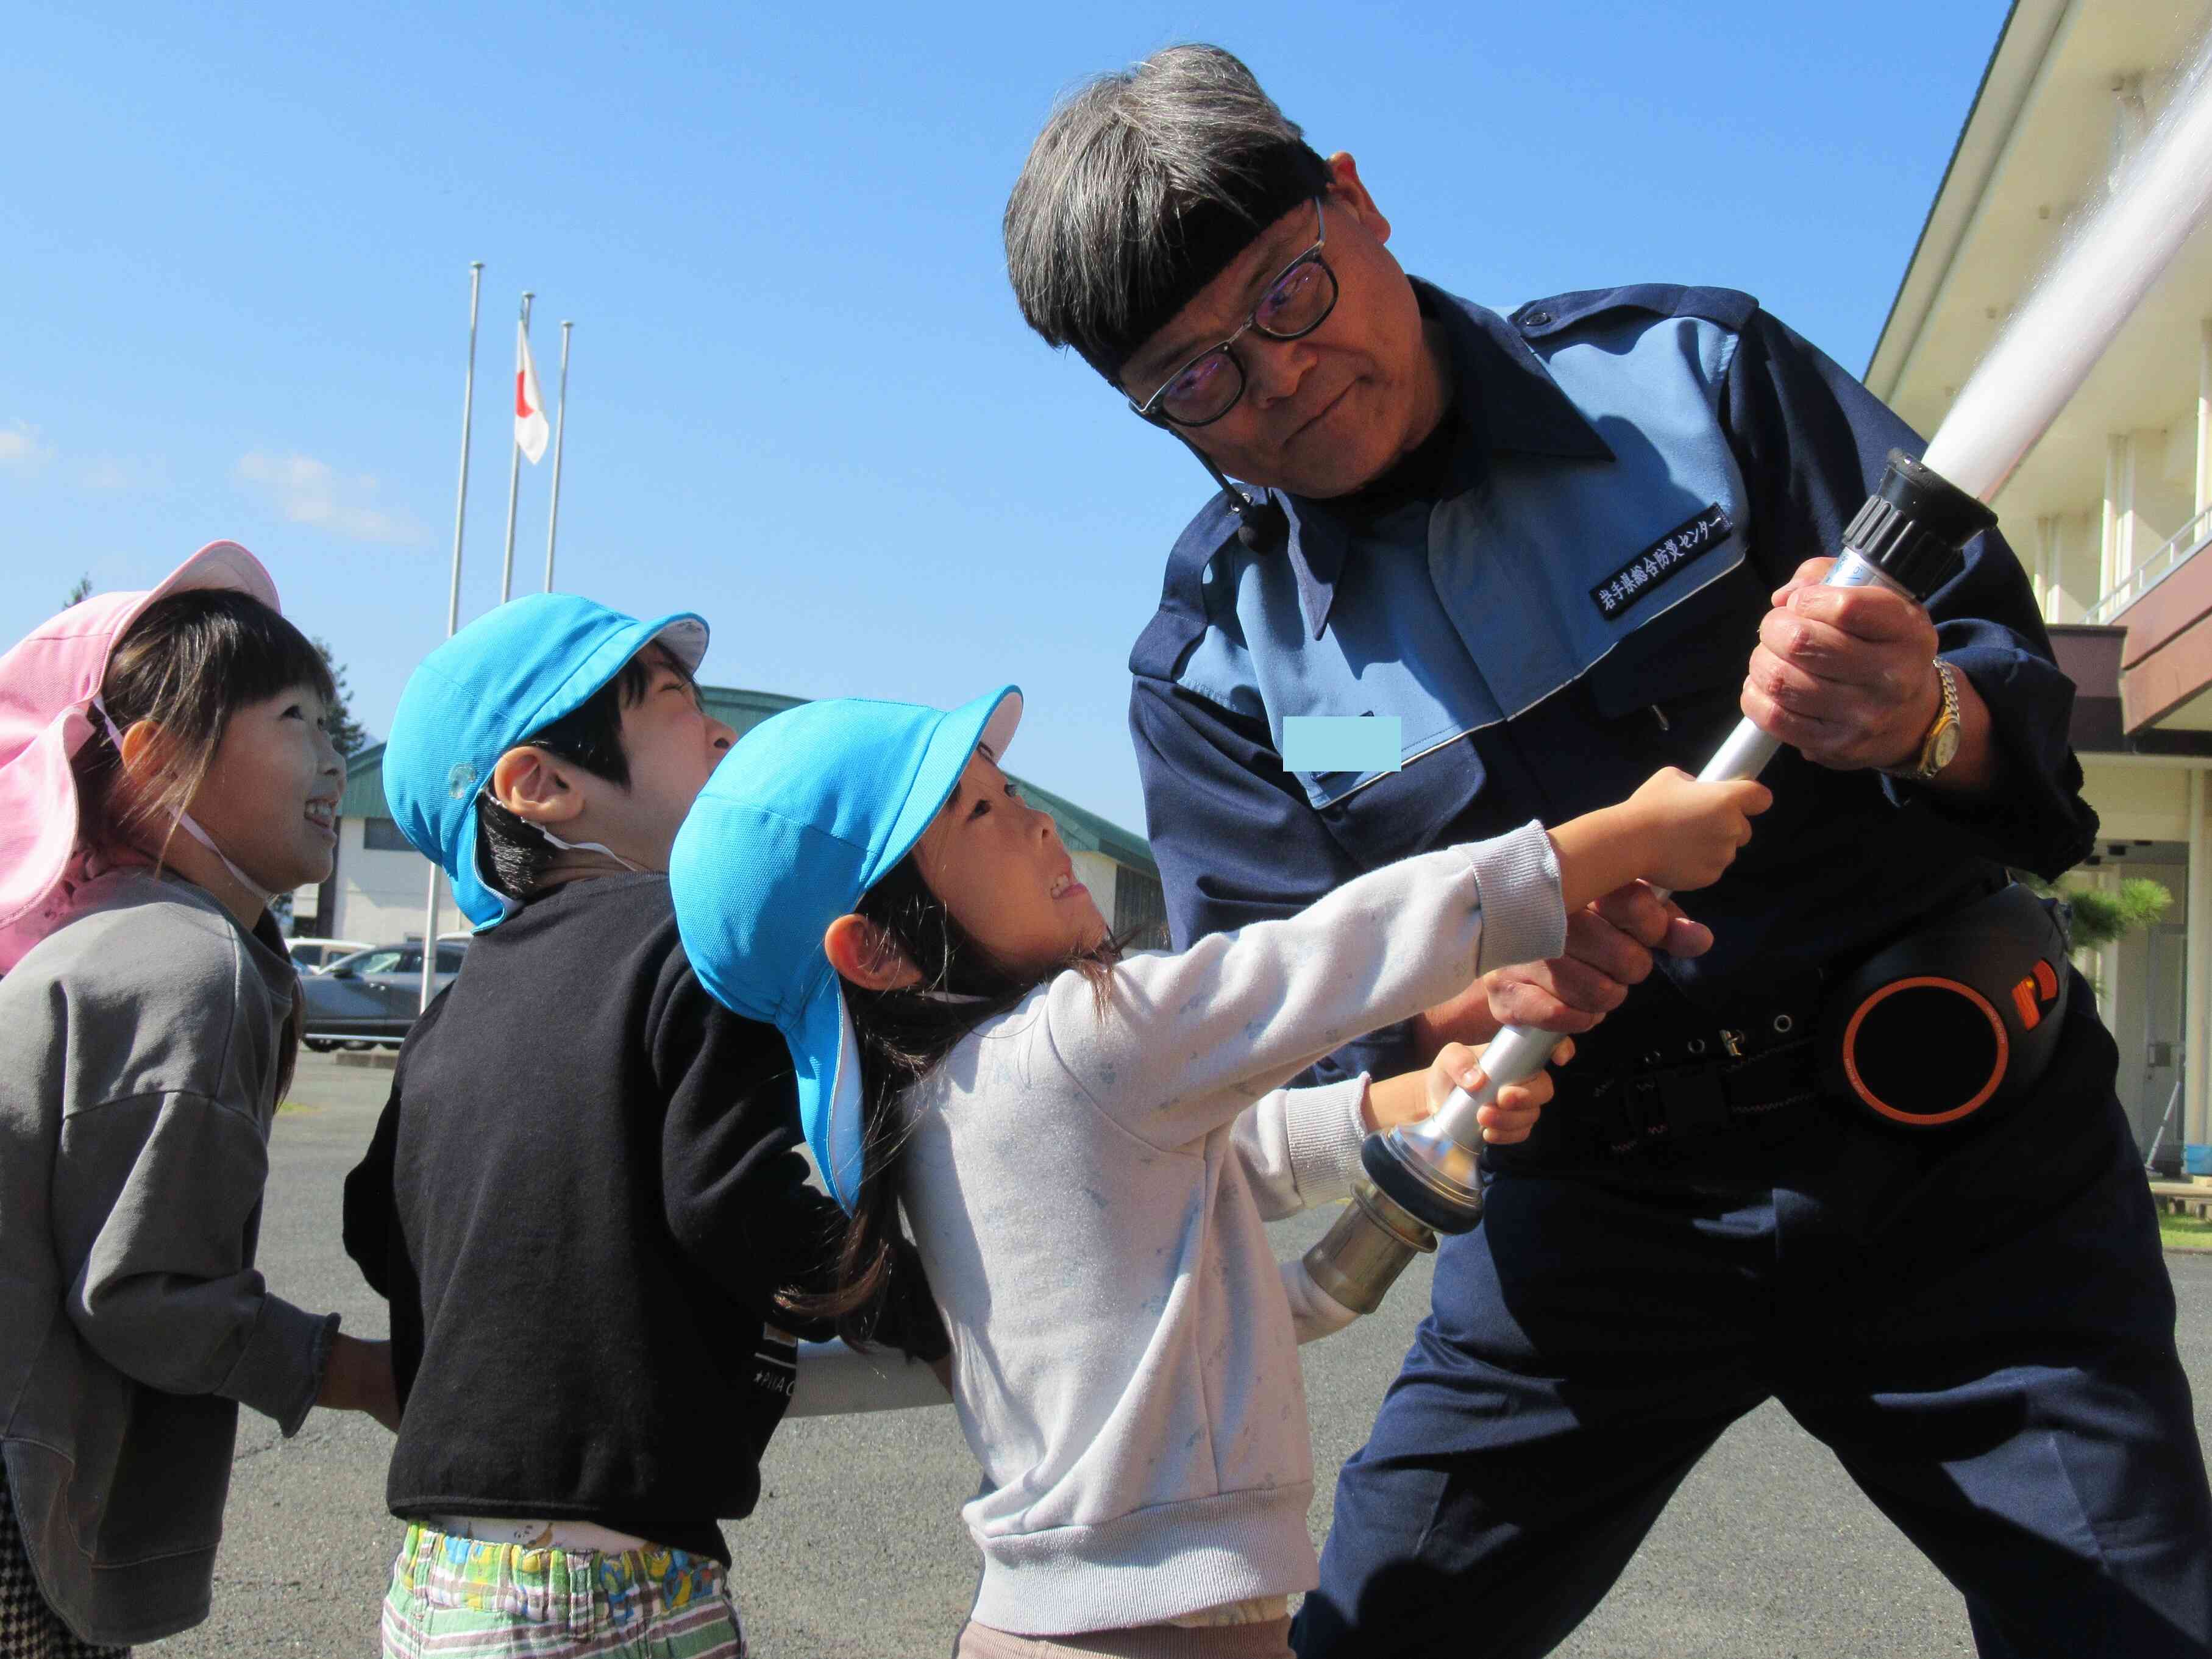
(1410, 810)
(1689, 659)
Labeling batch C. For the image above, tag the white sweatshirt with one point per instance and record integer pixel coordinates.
(1087, 1191)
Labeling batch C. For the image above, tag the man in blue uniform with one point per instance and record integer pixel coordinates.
(1563, 548)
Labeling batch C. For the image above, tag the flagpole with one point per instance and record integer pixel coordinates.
(513, 480)
(453, 602)
(560, 431)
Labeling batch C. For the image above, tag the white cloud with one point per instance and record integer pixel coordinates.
(20, 445)
(24, 447)
(120, 472)
(311, 492)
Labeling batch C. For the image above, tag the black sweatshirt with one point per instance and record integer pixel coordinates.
(582, 1198)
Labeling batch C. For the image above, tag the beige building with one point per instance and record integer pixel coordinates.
(2111, 511)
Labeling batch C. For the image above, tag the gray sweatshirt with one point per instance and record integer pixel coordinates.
(1088, 1190)
(139, 1046)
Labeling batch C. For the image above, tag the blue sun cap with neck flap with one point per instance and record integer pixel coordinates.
(507, 675)
(811, 809)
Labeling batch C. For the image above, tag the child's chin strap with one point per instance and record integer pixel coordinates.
(485, 793)
(184, 820)
(586, 847)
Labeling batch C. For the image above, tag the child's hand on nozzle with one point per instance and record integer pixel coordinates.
(1510, 1117)
(1410, 1096)
(1691, 830)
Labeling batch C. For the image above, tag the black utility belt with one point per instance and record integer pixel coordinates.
(1711, 1080)
(1938, 1030)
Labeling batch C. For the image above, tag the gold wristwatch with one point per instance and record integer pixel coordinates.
(1941, 746)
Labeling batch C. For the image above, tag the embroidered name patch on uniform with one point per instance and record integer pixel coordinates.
(1659, 561)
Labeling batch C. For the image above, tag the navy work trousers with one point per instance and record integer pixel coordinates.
(1981, 1327)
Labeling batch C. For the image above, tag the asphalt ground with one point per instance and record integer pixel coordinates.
(1768, 1549)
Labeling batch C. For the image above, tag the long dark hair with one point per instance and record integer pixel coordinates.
(903, 1036)
(189, 663)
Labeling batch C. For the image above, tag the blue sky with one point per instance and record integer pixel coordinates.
(801, 401)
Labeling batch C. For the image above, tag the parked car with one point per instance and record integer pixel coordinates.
(310, 954)
(372, 995)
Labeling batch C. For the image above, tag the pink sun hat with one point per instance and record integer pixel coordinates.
(47, 682)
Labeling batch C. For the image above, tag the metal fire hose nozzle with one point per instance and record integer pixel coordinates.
(1424, 1179)
(1359, 1259)
(1419, 1181)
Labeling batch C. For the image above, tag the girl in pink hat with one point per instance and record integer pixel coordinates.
(163, 771)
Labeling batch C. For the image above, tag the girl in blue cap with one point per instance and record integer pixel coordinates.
(1086, 1143)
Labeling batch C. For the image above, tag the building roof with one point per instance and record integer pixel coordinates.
(2070, 84)
(2106, 503)
(741, 710)
(2022, 47)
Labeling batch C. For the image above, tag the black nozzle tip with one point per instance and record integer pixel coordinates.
(1915, 527)
(1933, 499)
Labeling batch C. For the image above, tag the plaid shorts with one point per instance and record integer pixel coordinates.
(29, 1628)
(461, 1598)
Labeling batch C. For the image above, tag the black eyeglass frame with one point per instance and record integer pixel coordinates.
(1149, 410)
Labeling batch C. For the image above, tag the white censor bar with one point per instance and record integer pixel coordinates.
(1364, 744)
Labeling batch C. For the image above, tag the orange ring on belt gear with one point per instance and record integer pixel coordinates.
(1924, 1119)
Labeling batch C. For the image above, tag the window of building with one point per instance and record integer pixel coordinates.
(382, 836)
(1140, 904)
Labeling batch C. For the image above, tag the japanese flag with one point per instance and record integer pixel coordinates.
(530, 428)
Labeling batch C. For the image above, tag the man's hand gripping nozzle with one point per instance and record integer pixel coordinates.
(1424, 1179)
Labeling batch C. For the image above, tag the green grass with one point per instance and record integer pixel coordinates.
(2183, 1230)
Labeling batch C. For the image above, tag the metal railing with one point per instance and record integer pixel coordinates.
(2154, 571)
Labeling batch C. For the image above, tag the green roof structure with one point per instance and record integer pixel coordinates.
(741, 711)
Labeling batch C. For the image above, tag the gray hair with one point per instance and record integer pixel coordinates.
(1094, 226)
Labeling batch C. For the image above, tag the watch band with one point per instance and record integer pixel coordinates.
(1933, 758)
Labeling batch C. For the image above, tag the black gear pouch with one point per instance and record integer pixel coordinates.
(1956, 1020)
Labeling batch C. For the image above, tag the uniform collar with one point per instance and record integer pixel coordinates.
(1506, 400)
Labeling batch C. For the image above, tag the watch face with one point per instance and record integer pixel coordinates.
(1944, 750)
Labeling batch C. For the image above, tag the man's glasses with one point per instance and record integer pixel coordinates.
(1296, 303)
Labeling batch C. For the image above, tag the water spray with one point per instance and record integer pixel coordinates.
(1422, 1180)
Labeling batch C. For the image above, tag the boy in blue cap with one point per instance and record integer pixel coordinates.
(583, 1200)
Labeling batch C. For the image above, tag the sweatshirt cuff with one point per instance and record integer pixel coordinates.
(1324, 1130)
(280, 1371)
(1517, 879)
